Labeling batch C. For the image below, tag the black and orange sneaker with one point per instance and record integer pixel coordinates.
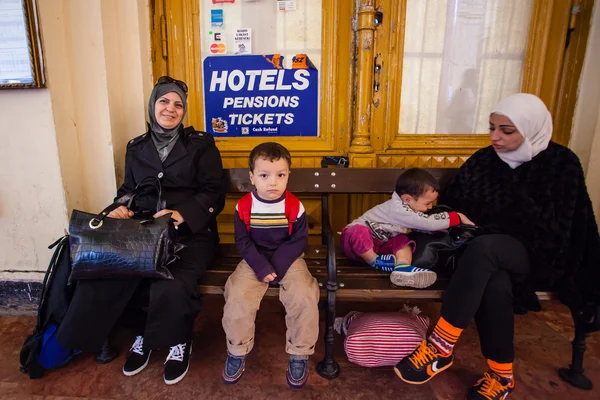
(491, 387)
(423, 364)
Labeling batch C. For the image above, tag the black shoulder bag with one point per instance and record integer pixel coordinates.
(437, 250)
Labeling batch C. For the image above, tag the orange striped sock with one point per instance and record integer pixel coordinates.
(505, 370)
(444, 336)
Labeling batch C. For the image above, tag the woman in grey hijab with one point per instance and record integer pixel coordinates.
(188, 165)
(165, 108)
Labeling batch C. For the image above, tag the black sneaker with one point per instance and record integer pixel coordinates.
(137, 359)
(297, 372)
(423, 364)
(177, 363)
(234, 369)
(491, 387)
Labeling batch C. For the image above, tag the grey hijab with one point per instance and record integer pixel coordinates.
(164, 139)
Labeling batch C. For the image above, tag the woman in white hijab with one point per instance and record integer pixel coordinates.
(527, 116)
(538, 233)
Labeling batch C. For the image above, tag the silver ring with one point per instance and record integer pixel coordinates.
(95, 226)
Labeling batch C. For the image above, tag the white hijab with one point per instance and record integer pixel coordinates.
(532, 119)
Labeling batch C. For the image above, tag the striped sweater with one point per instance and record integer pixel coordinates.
(269, 247)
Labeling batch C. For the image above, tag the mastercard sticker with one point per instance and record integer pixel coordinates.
(218, 48)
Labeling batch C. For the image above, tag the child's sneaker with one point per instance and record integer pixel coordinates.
(385, 262)
(491, 387)
(423, 364)
(408, 275)
(234, 369)
(297, 372)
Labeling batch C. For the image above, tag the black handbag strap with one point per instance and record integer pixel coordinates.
(149, 181)
(127, 199)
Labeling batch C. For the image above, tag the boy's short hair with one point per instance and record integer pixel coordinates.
(271, 151)
(415, 182)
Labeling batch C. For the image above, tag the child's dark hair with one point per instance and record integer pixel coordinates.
(271, 151)
(415, 182)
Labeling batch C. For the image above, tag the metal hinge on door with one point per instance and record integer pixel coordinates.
(163, 37)
(575, 9)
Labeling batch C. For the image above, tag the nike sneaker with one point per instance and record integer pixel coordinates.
(423, 364)
(491, 387)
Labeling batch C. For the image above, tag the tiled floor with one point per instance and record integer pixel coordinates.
(542, 345)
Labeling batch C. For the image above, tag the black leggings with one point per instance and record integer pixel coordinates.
(481, 288)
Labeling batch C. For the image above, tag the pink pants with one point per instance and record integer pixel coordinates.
(357, 240)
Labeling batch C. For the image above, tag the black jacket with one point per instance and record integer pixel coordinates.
(544, 203)
(191, 176)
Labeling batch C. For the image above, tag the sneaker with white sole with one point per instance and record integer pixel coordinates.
(177, 363)
(411, 276)
(137, 359)
(491, 387)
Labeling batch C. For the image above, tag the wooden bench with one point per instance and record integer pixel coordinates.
(341, 279)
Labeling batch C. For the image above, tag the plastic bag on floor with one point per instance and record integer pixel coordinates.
(382, 338)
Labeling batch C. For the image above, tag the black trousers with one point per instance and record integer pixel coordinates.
(481, 288)
(170, 306)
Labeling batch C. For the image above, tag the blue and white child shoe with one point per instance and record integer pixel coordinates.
(411, 276)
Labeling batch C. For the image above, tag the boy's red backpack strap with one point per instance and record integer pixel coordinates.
(292, 208)
(244, 207)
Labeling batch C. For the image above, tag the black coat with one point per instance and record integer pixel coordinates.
(544, 203)
(192, 183)
(191, 178)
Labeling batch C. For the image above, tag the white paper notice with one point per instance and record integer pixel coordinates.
(286, 5)
(243, 41)
(15, 64)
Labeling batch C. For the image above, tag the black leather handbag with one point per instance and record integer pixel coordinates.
(438, 250)
(103, 247)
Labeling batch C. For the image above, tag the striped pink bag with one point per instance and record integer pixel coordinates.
(382, 338)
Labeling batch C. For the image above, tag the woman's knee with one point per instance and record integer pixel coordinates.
(499, 288)
(504, 251)
(495, 244)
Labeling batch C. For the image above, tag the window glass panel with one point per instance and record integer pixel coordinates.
(460, 58)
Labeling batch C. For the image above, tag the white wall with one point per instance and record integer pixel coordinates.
(32, 202)
(593, 172)
(585, 136)
(61, 147)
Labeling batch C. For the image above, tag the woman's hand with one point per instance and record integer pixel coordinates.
(120, 212)
(270, 278)
(175, 215)
(464, 219)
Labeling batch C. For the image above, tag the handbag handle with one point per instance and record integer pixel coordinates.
(127, 199)
(149, 181)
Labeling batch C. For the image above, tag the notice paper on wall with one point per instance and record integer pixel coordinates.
(286, 5)
(253, 95)
(243, 41)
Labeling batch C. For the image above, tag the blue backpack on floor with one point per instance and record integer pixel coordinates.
(41, 350)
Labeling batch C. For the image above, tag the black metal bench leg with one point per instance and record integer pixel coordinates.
(328, 368)
(574, 374)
